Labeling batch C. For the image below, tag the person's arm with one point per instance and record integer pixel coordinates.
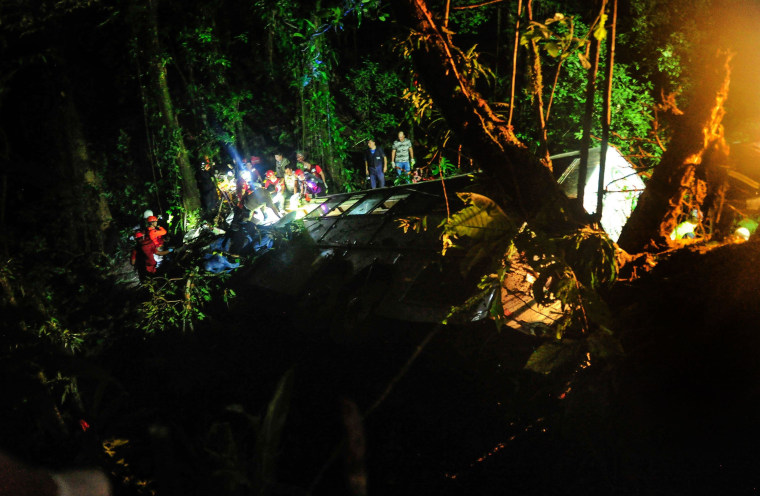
(393, 154)
(156, 233)
(366, 165)
(385, 163)
(411, 154)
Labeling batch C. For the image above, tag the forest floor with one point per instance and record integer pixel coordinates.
(676, 415)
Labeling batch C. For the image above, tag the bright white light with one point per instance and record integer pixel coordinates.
(742, 233)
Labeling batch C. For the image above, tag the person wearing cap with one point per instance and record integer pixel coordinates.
(375, 164)
(155, 232)
(247, 180)
(272, 180)
(301, 185)
(147, 253)
(275, 182)
(312, 169)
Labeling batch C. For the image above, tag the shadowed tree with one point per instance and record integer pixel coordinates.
(147, 29)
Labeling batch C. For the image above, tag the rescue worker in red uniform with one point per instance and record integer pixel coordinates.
(155, 232)
(278, 196)
(272, 180)
(313, 169)
(144, 254)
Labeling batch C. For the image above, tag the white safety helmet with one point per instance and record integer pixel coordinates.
(147, 213)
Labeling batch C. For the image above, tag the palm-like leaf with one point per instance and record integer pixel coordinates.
(482, 220)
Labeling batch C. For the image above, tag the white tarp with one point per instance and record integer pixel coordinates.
(622, 187)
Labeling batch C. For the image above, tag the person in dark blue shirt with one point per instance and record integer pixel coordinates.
(375, 164)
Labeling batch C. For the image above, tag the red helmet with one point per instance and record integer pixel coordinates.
(270, 173)
(139, 234)
(152, 218)
(299, 172)
(255, 160)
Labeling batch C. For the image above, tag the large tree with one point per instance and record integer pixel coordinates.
(526, 179)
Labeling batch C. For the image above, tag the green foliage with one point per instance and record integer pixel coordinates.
(632, 102)
(468, 21)
(570, 269)
(178, 303)
(444, 166)
(557, 37)
(56, 333)
(351, 180)
(126, 193)
(373, 95)
(481, 220)
(402, 179)
(663, 37)
(554, 354)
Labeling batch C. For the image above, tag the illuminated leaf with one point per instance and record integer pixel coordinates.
(550, 356)
(483, 219)
(600, 32)
(584, 61)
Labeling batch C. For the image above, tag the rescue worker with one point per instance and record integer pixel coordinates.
(144, 255)
(274, 182)
(256, 200)
(300, 179)
(155, 232)
(248, 180)
(313, 169)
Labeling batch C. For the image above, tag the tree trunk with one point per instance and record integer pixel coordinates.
(675, 178)
(528, 183)
(191, 198)
(81, 191)
(606, 112)
(537, 89)
(588, 115)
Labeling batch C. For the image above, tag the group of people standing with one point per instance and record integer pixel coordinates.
(247, 186)
(376, 162)
(284, 185)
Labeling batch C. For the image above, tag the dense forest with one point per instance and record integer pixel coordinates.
(195, 382)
